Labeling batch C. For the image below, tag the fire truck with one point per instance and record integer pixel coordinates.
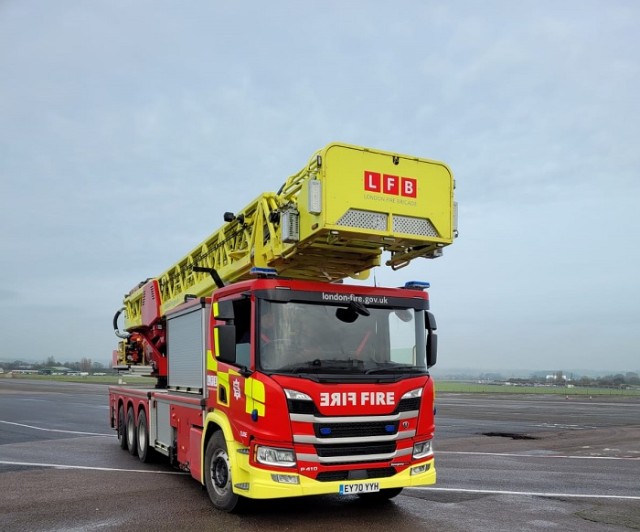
(270, 376)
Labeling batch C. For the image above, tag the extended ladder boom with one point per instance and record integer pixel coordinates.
(330, 221)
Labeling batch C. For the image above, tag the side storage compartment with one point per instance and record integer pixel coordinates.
(177, 430)
(161, 424)
(186, 346)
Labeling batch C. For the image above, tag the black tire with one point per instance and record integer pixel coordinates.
(217, 475)
(122, 428)
(131, 432)
(382, 495)
(144, 451)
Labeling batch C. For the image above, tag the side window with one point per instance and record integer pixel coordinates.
(242, 314)
(402, 330)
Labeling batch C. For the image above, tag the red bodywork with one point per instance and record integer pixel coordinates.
(274, 420)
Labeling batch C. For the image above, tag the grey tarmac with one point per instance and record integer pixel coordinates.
(525, 462)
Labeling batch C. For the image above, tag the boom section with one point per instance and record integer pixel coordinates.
(330, 221)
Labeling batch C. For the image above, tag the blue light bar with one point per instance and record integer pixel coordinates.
(263, 272)
(417, 285)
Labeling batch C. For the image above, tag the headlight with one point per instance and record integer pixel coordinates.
(422, 449)
(413, 394)
(296, 395)
(275, 457)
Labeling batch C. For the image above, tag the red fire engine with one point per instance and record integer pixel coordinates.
(273, 378)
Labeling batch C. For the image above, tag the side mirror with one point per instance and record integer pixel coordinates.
(432, 349)
(225, 311)
(430, 321)
(432, 339)
(225, 336)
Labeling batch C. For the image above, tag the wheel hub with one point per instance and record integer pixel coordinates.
(220, 472)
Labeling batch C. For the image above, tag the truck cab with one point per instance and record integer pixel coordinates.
(317, 387)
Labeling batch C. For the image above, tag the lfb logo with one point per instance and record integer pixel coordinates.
(390, 184)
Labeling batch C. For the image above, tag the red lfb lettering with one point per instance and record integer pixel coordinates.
(409, 187)
(391, 184)
(372, 181)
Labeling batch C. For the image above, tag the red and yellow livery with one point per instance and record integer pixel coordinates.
(275, 380)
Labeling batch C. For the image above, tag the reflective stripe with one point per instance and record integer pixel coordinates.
(254, 396)
(212, 363)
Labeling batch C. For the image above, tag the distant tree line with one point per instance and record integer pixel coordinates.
(630, 378)
(85, 364)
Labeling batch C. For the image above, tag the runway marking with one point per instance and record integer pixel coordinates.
(531, 493)
(567, 456)
(57, 430)
(90, 468)
(554, 402)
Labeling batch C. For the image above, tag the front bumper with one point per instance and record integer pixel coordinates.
(256, 483)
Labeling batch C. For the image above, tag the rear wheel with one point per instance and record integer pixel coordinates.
(217, 471)
(131, 432)
(382, 495)
(122, 428)
(144, 451)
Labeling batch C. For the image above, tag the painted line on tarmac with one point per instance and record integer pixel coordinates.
(556, 401)
(89, 468)
(531, 493)
(57, 430)
(565, 456)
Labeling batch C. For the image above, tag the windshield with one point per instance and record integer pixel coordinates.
(315, 338)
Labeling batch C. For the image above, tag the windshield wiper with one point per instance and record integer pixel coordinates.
(341, 362)
(318, 365)
(391, 367)
(299, 367)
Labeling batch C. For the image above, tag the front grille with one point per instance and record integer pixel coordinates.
(327, 451)
(355, 430)
(382, 472)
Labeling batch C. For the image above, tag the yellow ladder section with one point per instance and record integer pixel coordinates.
(330, 221)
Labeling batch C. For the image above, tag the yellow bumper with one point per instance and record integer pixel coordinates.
(256, 483)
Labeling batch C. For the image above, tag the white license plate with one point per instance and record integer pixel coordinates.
(363, 487)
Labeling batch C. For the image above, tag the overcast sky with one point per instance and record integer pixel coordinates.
(128, 128)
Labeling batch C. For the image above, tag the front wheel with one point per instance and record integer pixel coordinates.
(217, 471)
(382, 495)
